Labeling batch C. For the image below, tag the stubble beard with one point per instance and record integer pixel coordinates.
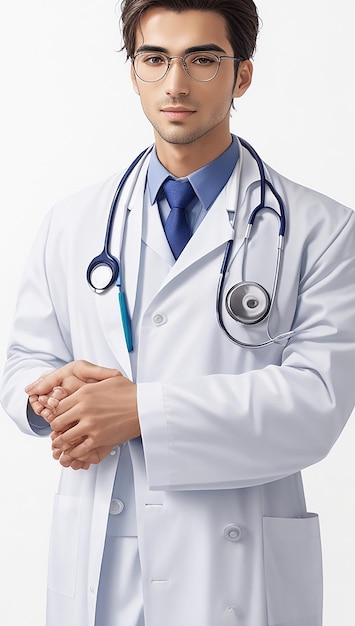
(177, 135)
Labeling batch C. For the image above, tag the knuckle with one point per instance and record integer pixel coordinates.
(79, 365)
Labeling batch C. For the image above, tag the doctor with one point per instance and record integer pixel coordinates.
(191, 510)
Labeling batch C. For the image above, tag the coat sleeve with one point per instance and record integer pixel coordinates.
(229, 431)
(37, 343)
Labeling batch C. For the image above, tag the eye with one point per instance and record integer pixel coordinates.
(203, 60)
(153, 59)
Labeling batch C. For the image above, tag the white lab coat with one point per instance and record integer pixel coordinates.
(224, 535)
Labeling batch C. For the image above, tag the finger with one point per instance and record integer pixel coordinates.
(58, 433)
(52, 401)
(68, 411)
(46, 383)
(65, 456)
(59, 393)
(48, 415)
(69, 439)
(48, 401)
(48, 404)
(36, 406)
(66, 460)
(56, 454)
(93, 458)
(56, 445)
(55, 434)
(84, 451)
(76, 465)
(97, 455)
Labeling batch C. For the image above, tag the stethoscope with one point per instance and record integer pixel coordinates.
(249, 302)
(246, 302)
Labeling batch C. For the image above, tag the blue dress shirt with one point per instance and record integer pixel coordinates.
(207, 183)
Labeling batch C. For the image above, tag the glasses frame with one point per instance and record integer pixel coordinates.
(183, 63)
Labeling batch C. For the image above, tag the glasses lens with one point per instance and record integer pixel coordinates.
(150, 66)
(201, 66)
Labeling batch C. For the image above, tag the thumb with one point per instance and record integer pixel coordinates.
(88, 372)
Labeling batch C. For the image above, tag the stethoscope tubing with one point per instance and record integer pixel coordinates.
(264, 184)
(105, 258)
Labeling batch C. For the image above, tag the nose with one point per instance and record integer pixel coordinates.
(176, 80)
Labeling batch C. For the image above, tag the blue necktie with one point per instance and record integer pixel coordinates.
(178, 193)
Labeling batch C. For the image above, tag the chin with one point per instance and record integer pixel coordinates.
(179, 137)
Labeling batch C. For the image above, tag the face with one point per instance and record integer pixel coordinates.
(186, 114)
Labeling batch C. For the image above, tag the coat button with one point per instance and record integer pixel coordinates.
(232, 532)
(159, 319)
(234, 615)
(116, 506)
(231, 610)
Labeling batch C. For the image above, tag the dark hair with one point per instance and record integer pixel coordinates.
(241, 18)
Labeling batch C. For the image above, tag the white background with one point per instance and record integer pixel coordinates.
(69, 118)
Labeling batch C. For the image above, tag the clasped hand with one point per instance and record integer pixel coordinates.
(91, 409)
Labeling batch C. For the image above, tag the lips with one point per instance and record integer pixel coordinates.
(177, 114)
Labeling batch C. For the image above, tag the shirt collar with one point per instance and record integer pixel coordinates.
(207, 182)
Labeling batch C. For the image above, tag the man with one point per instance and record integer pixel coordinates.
(192, 433)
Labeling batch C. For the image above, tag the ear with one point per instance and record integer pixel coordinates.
(134, 80)
(244, 78)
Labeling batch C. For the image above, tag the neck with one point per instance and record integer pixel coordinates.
(183, 159)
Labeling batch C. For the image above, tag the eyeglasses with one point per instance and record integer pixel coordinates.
(201, 66)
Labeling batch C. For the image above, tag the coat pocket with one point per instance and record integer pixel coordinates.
(64, 544)
(293, 571)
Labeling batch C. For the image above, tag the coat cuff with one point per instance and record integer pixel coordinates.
(154, 431)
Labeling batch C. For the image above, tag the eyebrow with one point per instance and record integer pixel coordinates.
(210, 47)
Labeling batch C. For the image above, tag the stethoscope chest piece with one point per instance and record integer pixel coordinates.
(102, 272)
(248, 303)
